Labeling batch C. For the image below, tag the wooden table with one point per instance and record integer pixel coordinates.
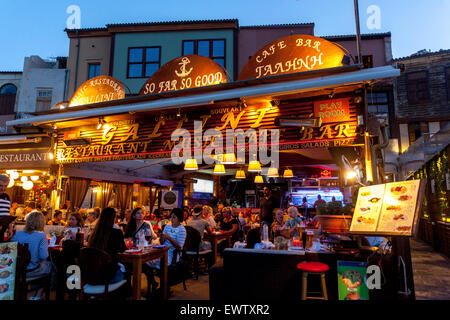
(215, 237)
(137, 259)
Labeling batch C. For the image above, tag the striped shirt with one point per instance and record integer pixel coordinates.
(178, 234)
(5, 205)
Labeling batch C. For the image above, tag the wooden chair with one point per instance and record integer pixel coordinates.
(192, 249)
(97, 271)
(22, 282)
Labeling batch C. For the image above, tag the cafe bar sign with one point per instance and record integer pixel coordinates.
(25, 158)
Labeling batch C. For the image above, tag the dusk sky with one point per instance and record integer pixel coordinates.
(37, 27)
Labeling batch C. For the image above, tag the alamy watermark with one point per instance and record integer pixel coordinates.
(74, 20)
(374, 20)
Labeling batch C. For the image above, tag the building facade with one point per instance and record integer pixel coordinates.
(9, 86)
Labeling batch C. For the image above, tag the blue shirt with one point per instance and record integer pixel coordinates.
(37, 245)
(291, 223)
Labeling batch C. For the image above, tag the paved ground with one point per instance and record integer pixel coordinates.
(431, 272)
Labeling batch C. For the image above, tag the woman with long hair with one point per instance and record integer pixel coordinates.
(73, 226)
(137, 226)
(107, 238)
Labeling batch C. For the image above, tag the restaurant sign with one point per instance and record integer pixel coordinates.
(25, 158)
(333, 110)
(295, 53)
(140, 138)
(185, 72)
(98, 89)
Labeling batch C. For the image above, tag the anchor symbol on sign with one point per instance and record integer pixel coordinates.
(183, 64)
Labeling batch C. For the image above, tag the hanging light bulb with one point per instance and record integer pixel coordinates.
(27, 185)
(15, 175)
(34, 178)
(219, 168)
(288, 173)
(11, 183)
(272, 173)
(24, 178)
(240, 174)
(259, 179)
(254, 166)
(191, 164)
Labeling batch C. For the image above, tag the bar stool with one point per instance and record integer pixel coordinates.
(316, 268)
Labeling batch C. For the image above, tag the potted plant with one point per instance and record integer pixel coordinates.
(334, 217)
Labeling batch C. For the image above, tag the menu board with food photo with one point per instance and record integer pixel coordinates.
(388, 209)
(399, 207)
(368, 208)
(351, 280)
(8, 258)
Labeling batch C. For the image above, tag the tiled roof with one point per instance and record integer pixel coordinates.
(86, 29)
(364, 36)
(284, 25)
(422, 54)
(172, 22)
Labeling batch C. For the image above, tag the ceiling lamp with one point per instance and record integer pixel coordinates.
(227, 158)
(11, 183)
(219, 168)
(288, 173)
(254, 166)
(15, 175)
(259, 179)
(272, 173)
(191, 164)
(27, 185)
(240, 174)
(34, 178)
(24, 178)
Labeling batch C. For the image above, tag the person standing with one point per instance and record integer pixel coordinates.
(319, 201)
(268, 204)
(5, 205)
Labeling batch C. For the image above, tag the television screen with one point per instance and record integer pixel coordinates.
(204, 186)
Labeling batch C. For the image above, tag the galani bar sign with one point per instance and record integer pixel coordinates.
(96, 90)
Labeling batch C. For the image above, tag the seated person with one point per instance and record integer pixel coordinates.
(57, 219)
(293, 222)
(164, 220)
(254, 239)
(137, 226)
(91, 221)
(229, 225)
(278, 224)
(201, 225)
(73, 226)
(207, 214)
(109, 239)
(36, 239)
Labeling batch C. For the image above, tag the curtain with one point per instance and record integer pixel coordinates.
(123, 195)
(144, 196)
(76, 191)
(105, 194)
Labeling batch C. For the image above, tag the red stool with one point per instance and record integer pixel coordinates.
(316, 268)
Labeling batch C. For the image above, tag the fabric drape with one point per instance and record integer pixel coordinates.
(76, 191)
(123, 195)
(144, 196)
(105, 194)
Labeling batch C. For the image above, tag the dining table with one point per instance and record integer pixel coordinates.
(142, 256)
(215, 237)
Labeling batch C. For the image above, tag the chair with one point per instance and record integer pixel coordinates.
(316, 268)
(70, 255)
(192, 248)
(22, 282)
(97, 271)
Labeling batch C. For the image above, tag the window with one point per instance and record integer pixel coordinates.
(43, 99)
(367, 61)
(214, 49)
(7, 98)
(416, 130)
(93, 70)
(417, 83)
(378, 105)
(143, 62)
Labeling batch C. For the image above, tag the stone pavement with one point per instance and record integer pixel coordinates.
(431, 272)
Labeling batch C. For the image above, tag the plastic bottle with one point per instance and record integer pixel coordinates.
(141, 241)
(265, 233)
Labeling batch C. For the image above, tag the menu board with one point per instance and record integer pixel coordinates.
(8, 260)
(389, 209)
(351, 284)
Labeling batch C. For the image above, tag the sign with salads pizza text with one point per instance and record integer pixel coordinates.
(388, 209)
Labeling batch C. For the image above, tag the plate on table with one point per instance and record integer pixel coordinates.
(159, 246)
(133, 251)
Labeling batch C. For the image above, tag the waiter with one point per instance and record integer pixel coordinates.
(5, 205)
(267, 206)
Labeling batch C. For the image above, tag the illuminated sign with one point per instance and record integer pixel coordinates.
(140, 137)
(25, 158)
(333, 110)
(325, 174)
(98, 89)
(191, 71)
(295, 53)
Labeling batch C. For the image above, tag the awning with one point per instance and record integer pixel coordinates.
(251, 92)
